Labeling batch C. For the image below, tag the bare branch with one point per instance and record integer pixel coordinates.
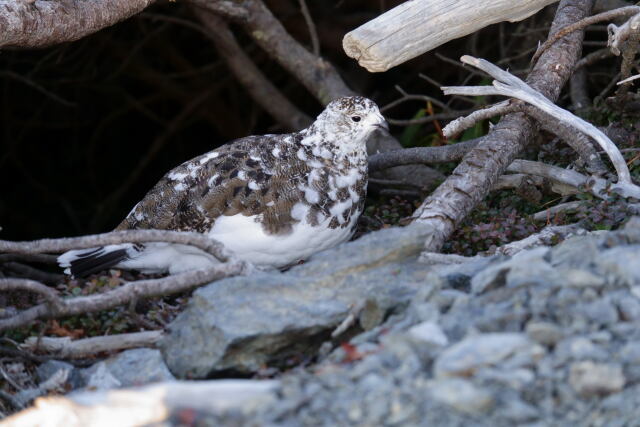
(44, 23)
(315, 73)
(197, 240)
(76, 349)
(416, 155)
(479, 170)
(428, 119)
(596, 186)
(257, 85)
(553, 210)
(629, 79)
(118, 296)
(412, 97)
(576, 140)
(313, 33)
(547, 236)
(579, 25)
(460, 124)
(509, 85)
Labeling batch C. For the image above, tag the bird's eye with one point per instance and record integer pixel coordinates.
(355, 118)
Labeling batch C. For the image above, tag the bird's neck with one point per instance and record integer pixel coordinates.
(335, 145)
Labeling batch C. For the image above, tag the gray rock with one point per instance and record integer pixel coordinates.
(139, 366)
(50, 367)
(588, 378)
(243, 323)
(98, 377)
(544, 333)
(469, 355)
(130, 368)
(430, 333)
(462, 395)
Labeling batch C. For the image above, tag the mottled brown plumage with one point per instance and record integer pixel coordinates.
(284, 186)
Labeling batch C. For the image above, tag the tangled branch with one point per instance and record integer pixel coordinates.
(509, 85)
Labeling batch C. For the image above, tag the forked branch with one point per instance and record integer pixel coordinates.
(509, 85)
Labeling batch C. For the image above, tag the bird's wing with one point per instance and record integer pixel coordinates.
(243, 177)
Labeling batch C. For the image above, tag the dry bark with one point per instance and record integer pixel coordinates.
(478, 172)
(27, 24)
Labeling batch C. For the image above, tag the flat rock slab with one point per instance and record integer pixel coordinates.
(245, 323)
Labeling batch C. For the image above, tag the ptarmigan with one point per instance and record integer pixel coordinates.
(272, 200)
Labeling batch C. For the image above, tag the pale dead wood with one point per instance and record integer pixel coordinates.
(479, 170)
(197, 240)
(68, 348)
(457, 126)
(549, 235)
(549, 213)
(517, 180)
(44, 23)
(149, 405)
(417, 26)
(56, 307)
(507, 84)
(629, 79)
(581, 24)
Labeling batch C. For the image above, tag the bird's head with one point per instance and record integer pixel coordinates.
(354, 114)
(347, 123)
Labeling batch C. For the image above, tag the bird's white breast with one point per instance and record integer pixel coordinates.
(245, 237)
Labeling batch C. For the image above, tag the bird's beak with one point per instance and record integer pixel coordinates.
(382, 123)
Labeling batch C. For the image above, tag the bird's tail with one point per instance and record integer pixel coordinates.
(82, 262)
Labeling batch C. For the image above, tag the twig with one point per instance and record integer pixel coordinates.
(628, 79)
(428, 119)
(412, 97)
(553, 210)
(197, 240)
(576, 140)
(460, 124)
(593, 57)
(123, 294)
(625, 36)
(547, 236)
(478, 171)
(596, 186)
(517, 180)
(601, 17)
(76, 349)
(416, 155)
(313, 33)
(39, 88)
(507, 84)
(351, 318)
(54, 382)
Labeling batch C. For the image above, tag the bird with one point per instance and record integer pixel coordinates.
(272, 200)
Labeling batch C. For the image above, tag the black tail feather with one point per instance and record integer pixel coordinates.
(95, 261)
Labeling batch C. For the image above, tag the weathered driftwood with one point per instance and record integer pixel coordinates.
(417, 26)
(150, 405)
(65, 347)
